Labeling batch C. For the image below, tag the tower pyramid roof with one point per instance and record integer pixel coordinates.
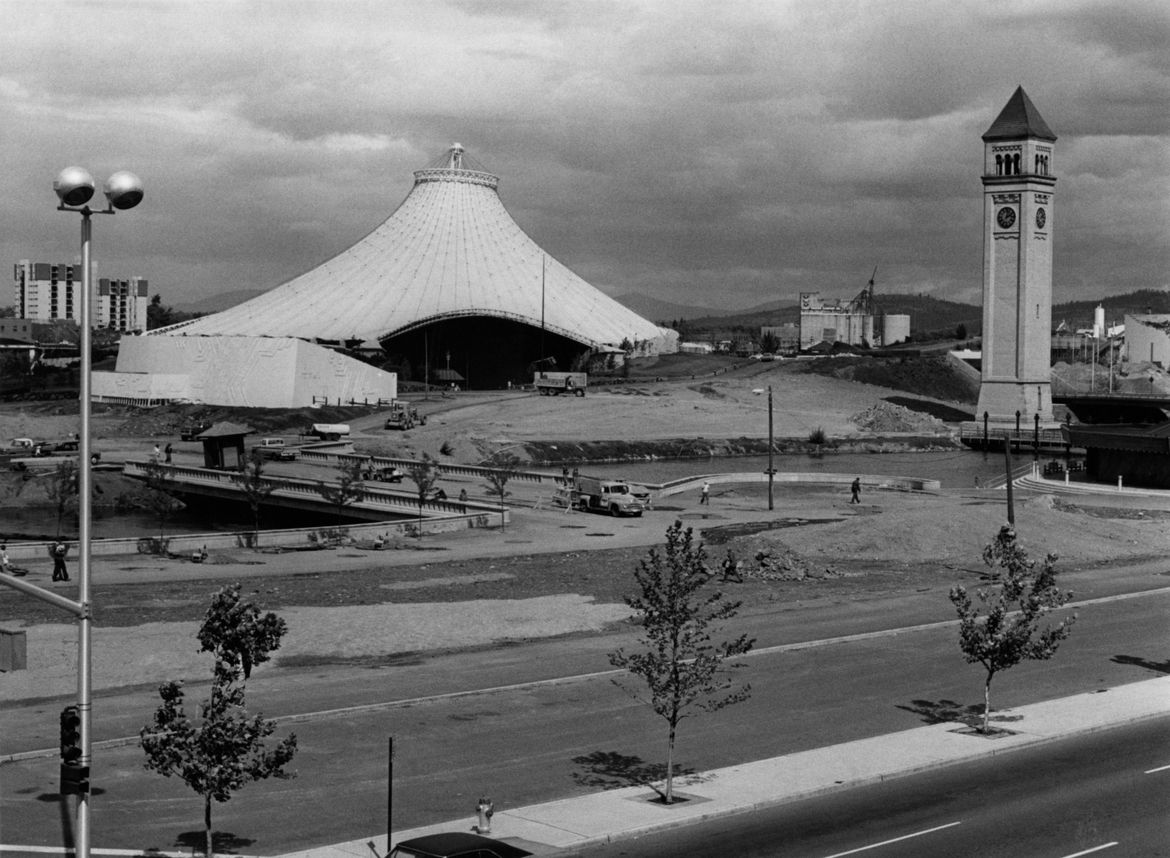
(449, 250)
(1019, 118)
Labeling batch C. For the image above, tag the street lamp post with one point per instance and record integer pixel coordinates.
(771, 469)
(74, 187)
(771, 445)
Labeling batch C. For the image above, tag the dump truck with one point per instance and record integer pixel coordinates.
(594, 494)
(556, 383)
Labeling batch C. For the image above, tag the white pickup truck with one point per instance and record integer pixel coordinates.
(274, 448)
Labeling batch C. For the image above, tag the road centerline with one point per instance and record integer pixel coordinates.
(895, 840)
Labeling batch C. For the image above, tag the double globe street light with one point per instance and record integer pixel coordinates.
(75, 188)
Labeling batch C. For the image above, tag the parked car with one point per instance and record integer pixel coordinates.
(388, 474)
(274, 449)
(192, 430)
(456, 844)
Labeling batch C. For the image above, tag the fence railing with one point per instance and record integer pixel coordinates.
(369, 497)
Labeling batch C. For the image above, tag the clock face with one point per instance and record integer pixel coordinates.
(1041, 218)
(1005, 217)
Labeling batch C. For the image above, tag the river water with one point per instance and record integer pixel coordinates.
(952, 468)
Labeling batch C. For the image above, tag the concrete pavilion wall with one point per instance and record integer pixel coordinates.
(257, 372)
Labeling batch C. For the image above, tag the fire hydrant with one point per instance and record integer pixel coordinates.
(485, 809)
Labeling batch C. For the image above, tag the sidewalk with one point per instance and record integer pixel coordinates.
(615, 814)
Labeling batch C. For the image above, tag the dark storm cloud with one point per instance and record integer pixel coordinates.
(722, 154)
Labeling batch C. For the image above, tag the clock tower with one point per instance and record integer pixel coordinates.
(1018, 222)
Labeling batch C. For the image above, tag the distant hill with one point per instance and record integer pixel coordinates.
(222, 301)
(1079, 314)
(927, 315)
(655, 310)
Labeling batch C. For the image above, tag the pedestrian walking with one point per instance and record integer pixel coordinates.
(168, 452)
(155, 455)
(60, 572)
(705, 496)
(5, 563)
(855, 488)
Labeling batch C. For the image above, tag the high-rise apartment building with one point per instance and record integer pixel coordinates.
(121, 304)
(44, 291)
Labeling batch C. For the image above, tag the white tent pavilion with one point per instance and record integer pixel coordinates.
(450, 262)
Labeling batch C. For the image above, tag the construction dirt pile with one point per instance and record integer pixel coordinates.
(886, 417)
(767, 559)
(921, 376)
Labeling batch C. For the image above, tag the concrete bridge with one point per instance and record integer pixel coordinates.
(375, 501)
(1115, 407)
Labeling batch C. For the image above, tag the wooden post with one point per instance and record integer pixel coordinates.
(1007, 463)
(389, 794)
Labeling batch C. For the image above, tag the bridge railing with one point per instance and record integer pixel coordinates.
(443, 468)
(971, 433)
(368, 497)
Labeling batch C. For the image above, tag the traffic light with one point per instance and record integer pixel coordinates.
(74, 780)
(70, 735)
(74, 776)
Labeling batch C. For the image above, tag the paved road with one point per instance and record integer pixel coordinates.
(1107, 793)
(543, 740)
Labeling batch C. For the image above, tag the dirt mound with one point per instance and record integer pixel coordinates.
(167, 420)
(887, 417)
(766, 558)
(921, 375)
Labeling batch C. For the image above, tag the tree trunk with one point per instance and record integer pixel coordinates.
(986, 703)
(669, 797)
(207, 826)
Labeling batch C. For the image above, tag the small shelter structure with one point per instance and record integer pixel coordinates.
(223, 446)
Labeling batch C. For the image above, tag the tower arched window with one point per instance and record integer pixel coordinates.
(1016, 164)
(999, 165)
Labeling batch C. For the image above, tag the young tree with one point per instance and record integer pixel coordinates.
(424, 474)
(348, 488)
(256, 489)
(681, 667)
(157, 496)
(225, 749)
(63, 489)
(238, 635)
(1009, 632)
(506, 466)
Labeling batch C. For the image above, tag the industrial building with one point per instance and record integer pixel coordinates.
(858, 322)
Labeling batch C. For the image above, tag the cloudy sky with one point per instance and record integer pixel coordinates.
(720, 154)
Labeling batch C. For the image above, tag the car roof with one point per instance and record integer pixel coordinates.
(451, 844)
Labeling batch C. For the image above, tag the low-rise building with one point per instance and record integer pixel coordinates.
(1147, 338)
